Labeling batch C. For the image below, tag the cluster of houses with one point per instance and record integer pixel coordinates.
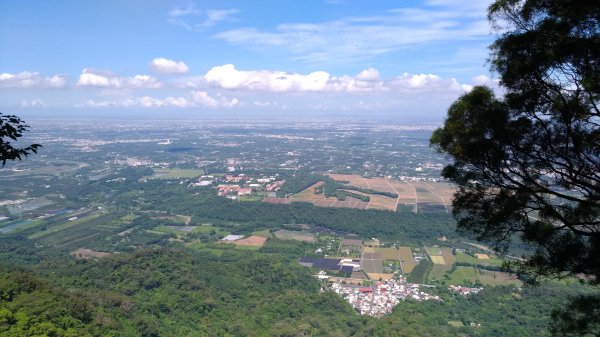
(381, 298)
(234, 186)
(465, 291)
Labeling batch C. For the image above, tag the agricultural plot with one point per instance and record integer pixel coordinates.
(295, 235)
(175, 174)
(490, 261)
(308, 195)
(84, 232)
(496, 278)
(407, 260)
(73, 220)
(273, 200)
(253, 241)
(443, 256)
(437, 272)
(442, 259)
(371, 263)
(87, 254)
(412, 196)
(464, 275)
(388, 253)
(382, 202)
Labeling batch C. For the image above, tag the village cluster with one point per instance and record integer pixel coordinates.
(381, 298)
(234, 186)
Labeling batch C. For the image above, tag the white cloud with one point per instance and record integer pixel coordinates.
(370, 74)
(228, 77)
(360, 37)
(35, 103)
(214, 16)
(204, 99)
(166, 66)
(93, 78)
(28, 79)
(195, 99)
(187, 17)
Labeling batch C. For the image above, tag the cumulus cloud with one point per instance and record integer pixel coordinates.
(35, 103)
(204, 99)
(166, 66)
(28, 79)
(195, 99)
(370, 74)
(228, 77)
(93, 78)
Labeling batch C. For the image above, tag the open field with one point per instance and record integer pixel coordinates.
(413, 196)
(308, 195)
(464, 275)
(388, 253)
(371, 263)
(175, 173)
(497, 278)
(437, 272)
(86, 254)
(407, 260)
(443, 256)
(380, 276)
(74, 220)
(253, 240)
(262, 233)
(436, 259)
(490, 261)
(295, 235)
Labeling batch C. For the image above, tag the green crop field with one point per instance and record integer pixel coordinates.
(464, 258)
(175, 173)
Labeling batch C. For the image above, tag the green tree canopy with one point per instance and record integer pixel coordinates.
(528, 164)
(12, 128)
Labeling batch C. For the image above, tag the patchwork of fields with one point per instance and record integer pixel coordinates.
(418, 197)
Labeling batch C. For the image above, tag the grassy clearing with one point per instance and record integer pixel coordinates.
(437, 272)
(466, 276)
(175, 173)
(464, 258)
(207, 248)
(262, 233)
(463, 276)
(295, 235)
(496, 278)
(456, 324)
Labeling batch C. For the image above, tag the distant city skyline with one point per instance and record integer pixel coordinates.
(241, 59)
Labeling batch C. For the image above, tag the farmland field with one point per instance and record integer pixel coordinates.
(308, 195)
(407, 260)
(444, 254)
(175, 173)
(412, 196)
(388, 253)
(295, 235)
(464, 258)
(464, 275)
(254, 241)
(371, 263)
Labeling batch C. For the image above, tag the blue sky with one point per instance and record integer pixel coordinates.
(241, 58)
